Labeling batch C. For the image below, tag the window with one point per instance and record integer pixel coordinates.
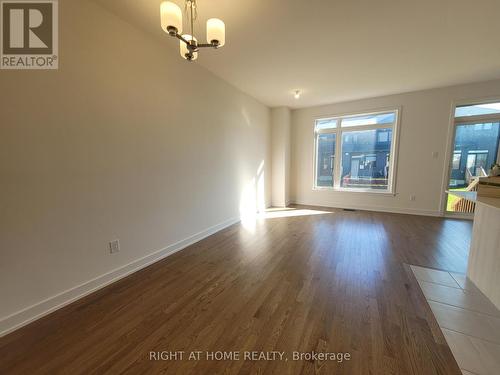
(477, 110)
(476, 162)
(326, 124)
(457, 157)
(355, 152)
(326, 159)
(383, 136)
(384, 118)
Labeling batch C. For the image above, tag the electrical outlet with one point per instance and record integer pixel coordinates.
(114, 246)
(435, 154)
(413, 198)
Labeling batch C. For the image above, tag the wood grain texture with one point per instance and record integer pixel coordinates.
(335, 282)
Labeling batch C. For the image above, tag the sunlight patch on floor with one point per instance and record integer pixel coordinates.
(273, 213)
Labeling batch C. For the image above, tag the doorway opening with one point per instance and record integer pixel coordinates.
(475, 151)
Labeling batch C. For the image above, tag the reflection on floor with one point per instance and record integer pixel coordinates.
(273, 213)
(469, 321)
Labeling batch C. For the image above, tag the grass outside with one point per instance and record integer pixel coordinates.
(452, 199)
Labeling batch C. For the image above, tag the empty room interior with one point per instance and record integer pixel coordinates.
(250, 187)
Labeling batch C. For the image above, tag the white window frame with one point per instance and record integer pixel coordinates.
(339, 130)
(452, 126)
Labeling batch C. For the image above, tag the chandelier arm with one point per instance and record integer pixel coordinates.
(180, 37)
(212, 45)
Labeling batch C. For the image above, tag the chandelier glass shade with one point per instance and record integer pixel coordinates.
(172, 24)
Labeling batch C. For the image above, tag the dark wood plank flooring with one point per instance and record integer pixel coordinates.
(335, 282)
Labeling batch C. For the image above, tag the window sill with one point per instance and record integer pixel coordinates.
(346, 190)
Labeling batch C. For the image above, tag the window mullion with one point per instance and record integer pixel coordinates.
(368, 127)
(477, 118)
(326, 131)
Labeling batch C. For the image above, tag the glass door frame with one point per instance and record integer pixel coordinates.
(454, 121)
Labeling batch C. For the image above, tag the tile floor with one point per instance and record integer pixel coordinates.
(469, 321)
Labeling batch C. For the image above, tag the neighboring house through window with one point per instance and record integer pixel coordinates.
(356, 152)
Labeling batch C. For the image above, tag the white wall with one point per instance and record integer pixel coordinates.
(280, 146)
(126, 140)
(425, 120)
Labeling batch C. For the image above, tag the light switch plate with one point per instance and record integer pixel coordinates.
(114, 246)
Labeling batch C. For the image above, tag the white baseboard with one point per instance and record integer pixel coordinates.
(29, 314)
(408, 211)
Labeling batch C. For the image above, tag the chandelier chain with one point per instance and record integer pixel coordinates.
(192, 11)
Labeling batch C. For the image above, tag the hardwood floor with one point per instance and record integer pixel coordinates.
(333, 282)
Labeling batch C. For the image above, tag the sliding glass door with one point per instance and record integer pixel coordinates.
(475, 150)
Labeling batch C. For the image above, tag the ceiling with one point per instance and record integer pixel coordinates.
(338, 50)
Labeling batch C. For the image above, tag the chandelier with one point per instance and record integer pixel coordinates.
(171, 23)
